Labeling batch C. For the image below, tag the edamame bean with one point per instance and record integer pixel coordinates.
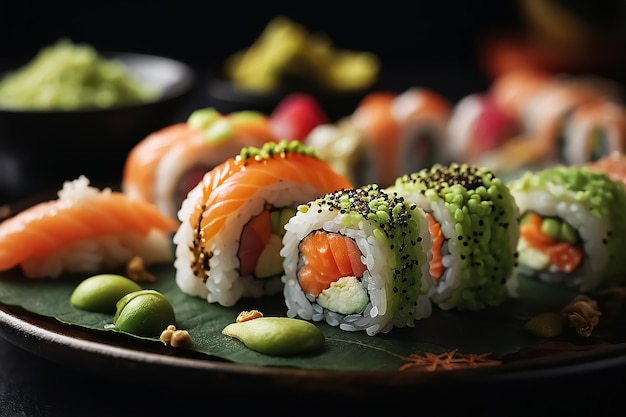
(144, 313)
(99, 293)
(281, 336)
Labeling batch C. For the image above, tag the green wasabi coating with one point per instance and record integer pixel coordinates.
(278, 336)
(485, 214)
(598, 191)
(276, 149)
(396, 224)
(600, 195)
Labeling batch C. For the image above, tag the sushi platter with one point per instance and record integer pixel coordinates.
(413, 243)
(481, 347)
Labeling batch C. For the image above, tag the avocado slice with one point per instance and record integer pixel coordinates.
(270, 262)
(280, 218)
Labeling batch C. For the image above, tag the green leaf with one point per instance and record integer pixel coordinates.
(497, 331)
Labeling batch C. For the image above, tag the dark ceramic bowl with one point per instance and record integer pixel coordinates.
(41, 149)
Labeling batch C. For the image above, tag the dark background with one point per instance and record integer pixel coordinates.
(201, 32)
(436, 42)
(433, 35)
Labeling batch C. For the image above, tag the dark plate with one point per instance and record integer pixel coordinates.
(126, 359)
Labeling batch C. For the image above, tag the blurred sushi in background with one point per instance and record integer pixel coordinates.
(381, 131)
(167, 164)
(296, 115)
(594, 130)
(512, 90)
(387, 135)
(478, 125)
(343, 147)
(423, 116)
(561, 119)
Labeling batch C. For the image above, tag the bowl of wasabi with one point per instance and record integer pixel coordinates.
(72, 110)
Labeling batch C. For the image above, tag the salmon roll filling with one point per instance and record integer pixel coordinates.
(357, 259)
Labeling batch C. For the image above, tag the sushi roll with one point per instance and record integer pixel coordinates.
(477, 126)
(342, 145)
(545, 114)
(422, 116)
(386, 135)
(165, 165)
(357, 259)
(594, 130)
(231, 223)
(296, 115)
(381, 132)
(572, 223)
(473, 221)
(512, 90)
(84, 230)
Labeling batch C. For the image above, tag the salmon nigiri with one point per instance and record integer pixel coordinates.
(164, 166)
(83, 230)
(231, 223)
